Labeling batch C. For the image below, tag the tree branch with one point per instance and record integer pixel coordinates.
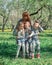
(36, 11)
(40, 15)
(1, 14)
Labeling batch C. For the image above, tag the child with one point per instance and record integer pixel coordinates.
(21, 39)
(36, 42)
(28, 45)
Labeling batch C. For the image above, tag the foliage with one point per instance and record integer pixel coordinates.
(44, 15)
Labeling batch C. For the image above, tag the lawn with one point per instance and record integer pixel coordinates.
(8, 48)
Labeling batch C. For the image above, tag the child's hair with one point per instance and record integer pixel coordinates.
(29, 22)
(36, 21)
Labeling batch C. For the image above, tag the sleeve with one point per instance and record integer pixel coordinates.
(41, 29)
(31, 34)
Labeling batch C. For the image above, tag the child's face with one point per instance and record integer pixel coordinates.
(27, 24)
(36, 25)
(21, 26)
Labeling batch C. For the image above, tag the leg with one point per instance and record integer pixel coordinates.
(30, 47)
(33, 48)
(38, 48)
(18, 48)
(27, 48)
(30, 50)
(20, 53)
(23, 48)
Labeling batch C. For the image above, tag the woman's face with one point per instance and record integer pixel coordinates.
(25, 15)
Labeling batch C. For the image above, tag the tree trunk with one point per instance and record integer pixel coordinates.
(12, 27)
(4, 23)
(3, 26)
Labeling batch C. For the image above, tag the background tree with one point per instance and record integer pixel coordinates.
(38, 9)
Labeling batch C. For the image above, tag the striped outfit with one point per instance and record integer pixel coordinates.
(28, 42)
(36, 42)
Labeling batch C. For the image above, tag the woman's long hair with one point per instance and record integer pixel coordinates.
(28, 16)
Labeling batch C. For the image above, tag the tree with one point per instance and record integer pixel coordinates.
(5, 9)
(38, 9)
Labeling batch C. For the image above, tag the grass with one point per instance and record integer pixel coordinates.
(8, 48)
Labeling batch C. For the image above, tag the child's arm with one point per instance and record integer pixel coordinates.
(40, 28)
(32, 34)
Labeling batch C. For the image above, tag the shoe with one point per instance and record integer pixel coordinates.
(38, 56)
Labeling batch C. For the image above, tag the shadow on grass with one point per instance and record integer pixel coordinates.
(7, 50)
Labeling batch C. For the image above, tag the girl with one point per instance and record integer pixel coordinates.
(28, 32)
(21, 39)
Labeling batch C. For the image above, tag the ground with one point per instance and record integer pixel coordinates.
(8, 48)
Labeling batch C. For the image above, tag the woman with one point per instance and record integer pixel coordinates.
(21, 39)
